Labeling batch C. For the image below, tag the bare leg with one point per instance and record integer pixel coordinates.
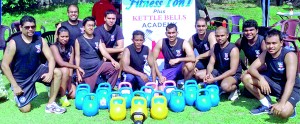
(64, 81)
(26, 108)
(287, 111)
(55, 85)
(229, 84)
(188, 70)
(251, 84)
(200, 74)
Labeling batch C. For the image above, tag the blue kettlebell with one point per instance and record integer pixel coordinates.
(214, 94)
(203, 102)
(190, 82)
(190, 92)
(148, 94)
(126, 92)
(177, 102)
(103, 97)
(168, 90)
(105, 85)
(90, 106)
(81, 91)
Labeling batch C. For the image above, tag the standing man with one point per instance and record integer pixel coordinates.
(224, 65)
(111, 35)
(21, 65)
(281, 79)
(73, 24)
(179, 56)
(203, 41)
(135, 57)
(99, 10)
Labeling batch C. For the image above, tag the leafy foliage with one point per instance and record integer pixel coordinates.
(19, 6)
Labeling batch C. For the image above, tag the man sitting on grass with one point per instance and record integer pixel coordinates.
(281, 79)
(135, 57)
(22, 66)
(224, 65)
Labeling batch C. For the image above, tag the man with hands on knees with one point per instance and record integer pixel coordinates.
(280, 80)
(224, 65)
(135, 57)
(22, 66)
(179, 56)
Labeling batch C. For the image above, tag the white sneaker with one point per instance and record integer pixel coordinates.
(233, 95)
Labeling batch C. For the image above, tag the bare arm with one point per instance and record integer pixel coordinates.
(234, 63)
(263, 46)
(8, 56)
(77, 56)
(156, 51)
(151, 64)
(238, 43)
(58, 26)
(126, 64)
(48, 54)
(211, 62)
(253, 69)
(291, 62)
(190, 57)
(103, 51)
(118, 49)
(59, 60)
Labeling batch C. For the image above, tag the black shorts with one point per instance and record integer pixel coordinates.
(201, 64)
(237, 76)
(28, 86)
(277, 90)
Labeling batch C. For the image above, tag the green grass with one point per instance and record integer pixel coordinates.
(226, 112)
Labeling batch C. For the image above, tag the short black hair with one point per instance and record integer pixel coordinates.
(171, 25)
(202, 19)
(138, 32)
(71, 6)
(89, 18)
(274, 32)
(62, 29)
(26, 18)
(110, 11)
(250, 23)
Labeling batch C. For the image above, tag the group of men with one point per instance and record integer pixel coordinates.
(272, 71)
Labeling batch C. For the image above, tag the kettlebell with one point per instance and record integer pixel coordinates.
(159, 109)
(177, 102)
(103, 97)
(190, 92)
(138, 117)
(214, 94)
(126, 92)
(168, 90)
(190, 82)
(81, 91)
(117, 108)
(149, 91)
(124, 84)
(90, 105)
(105, 85)
(167, 83)
(203, 102)
(154, 85)
(139, 103)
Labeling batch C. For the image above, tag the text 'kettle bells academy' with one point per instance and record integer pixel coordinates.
(152, 20)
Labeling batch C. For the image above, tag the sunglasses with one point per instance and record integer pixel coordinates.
(28, 27)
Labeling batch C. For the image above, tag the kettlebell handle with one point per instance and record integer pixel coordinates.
(140, 93)
(190, 82)
(203, 90)
(105, 84)
(169, 82)
(176, 91)
(138, 113)
(124, 83)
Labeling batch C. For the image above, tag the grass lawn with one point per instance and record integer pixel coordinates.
(226, 112)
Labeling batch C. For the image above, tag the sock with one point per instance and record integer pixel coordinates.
(264, 101)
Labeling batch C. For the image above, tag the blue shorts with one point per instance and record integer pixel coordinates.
(28, 86)
(277, 89)
(136, 81)
(201, 64)
(174, 73)
(237, 76)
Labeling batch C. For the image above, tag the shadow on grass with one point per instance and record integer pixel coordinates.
(274, 119)
(41, 99)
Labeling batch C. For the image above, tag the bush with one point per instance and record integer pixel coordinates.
(19, 6)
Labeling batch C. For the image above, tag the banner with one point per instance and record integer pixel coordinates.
(152, 17)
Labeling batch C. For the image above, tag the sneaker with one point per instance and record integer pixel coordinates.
(234, 95)
(64, 101)
(294, 114)
(54, 108)
(260, 110)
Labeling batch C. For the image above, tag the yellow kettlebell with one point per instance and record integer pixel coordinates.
(117, 108)
(139, 104)
(159, 109)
